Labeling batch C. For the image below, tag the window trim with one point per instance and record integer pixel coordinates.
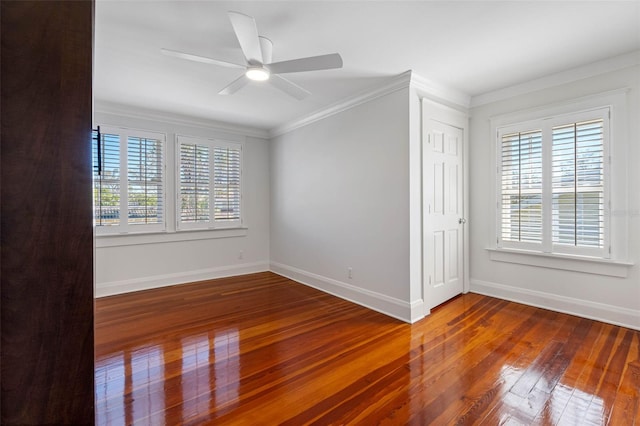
(212, 224)
(119, 240)
(565, 262)
(615, 159)
(125, 228)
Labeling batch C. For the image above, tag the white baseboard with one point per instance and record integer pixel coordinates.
(598, 311)
(156, 281)
(396, 308)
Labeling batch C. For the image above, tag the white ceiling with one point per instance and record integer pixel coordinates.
(471, 47)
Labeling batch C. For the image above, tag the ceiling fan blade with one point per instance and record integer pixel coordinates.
(289, 87)
(247, 34)
(312, 63)
(267, 49)
(202, 59)
(235, 85)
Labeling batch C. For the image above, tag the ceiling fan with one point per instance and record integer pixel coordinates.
(258, 53)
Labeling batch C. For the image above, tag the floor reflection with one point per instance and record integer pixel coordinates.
(203, 369)
(227, 367)
(110, 386)
(147, 385)
(139, 372)
(195, 380)
(209, 362)
(547, 403)
(578, 407)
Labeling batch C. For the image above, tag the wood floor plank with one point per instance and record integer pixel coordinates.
(262, 349)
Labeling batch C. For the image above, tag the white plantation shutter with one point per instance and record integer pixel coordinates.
(194, 183)
(552, 189)
(106, 180)
(128, 181)
(145, 180)
(209, 183)
(578, 184)
(521, 186)
(226, 172)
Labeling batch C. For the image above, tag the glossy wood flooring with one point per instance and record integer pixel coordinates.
(261, 350)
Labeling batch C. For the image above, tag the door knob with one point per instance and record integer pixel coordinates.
(462, 220)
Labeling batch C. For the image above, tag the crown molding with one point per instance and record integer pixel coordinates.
(408, 79)
(392, 85)
(564, 77)
(439, 92)
(105, 107)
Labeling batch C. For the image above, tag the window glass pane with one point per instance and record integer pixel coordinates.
(106, 182)
(194, 183)
(144, 181)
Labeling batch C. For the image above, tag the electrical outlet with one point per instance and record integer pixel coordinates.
(241, 255)
(350, 272)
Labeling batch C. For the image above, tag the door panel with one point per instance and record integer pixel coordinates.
(46, 263)
(453, 251)
(438, 188)
(438, 259)
(443, 241)
(452, 194)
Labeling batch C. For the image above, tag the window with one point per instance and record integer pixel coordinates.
(209, 174)
(128, 181)
(552, 184)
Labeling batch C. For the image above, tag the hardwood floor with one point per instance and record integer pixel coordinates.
(261, 349)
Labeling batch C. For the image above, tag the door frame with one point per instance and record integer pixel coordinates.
(436, 111)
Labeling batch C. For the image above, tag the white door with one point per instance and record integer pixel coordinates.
(443, 220)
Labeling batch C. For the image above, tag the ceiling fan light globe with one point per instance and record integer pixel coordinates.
(257, 74)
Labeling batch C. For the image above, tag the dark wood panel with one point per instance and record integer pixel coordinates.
(262, 349)
(46, 220)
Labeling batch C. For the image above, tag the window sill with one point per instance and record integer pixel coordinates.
(589, 265)
(116, 240)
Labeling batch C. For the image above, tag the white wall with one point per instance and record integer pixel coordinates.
(128, 263)
(340, 199)
(608, 298)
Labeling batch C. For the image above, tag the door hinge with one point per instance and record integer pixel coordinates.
(429, 279)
